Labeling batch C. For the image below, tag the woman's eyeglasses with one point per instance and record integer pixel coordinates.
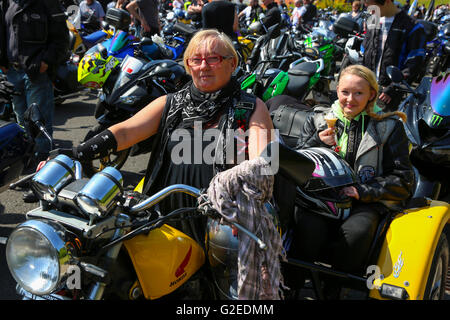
(210, 60)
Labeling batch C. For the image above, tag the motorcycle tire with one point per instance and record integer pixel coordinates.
(435, 288)
(116, 159)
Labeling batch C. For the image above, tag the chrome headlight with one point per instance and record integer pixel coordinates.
(54, 176)
(37, 256)
(99, 195)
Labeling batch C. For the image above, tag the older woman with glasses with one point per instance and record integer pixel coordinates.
(190, 127)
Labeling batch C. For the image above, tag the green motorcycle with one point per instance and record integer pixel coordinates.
(303, 76)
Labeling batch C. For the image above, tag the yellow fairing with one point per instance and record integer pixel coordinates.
(407, 252)
(164, 259)
(78, 40)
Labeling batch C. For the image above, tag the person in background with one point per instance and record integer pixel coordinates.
(146, 12)
(357, 14)
(308, 13)
(91, 7)
(398, 40)
(356, 9)
(272, 17)
(251, 12)
(296, 12)
(34, 40)
(221, 15)
(194, 11)
(178, 8)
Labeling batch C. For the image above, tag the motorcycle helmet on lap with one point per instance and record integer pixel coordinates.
(321, 193)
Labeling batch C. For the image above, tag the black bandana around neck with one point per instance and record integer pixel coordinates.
(204, 107)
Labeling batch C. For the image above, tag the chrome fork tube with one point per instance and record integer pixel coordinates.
(98, 288)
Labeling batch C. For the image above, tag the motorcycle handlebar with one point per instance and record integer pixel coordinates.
(292, 55)
(153, 200)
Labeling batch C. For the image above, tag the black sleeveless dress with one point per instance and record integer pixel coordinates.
(184, 166)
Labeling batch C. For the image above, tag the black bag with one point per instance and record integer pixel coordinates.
(289, 120)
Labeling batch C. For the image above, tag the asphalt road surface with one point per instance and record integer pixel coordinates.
(73, 119)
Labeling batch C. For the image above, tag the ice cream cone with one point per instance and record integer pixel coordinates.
(331, 120)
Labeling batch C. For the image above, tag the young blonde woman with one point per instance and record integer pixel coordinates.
(376, 146)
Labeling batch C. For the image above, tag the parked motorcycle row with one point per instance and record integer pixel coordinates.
(90, 239)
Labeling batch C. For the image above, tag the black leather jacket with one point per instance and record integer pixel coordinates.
(40, 33)
(396, 182)
(404, 48)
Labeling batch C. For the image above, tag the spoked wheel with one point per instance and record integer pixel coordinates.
(435, 289)
(116, 160)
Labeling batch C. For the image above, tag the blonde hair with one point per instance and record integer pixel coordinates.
(369, 76)
(214, 40)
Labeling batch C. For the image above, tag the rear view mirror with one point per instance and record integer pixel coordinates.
(394, 74)
(35, 123)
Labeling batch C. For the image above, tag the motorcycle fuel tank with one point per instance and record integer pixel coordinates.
(164, 260)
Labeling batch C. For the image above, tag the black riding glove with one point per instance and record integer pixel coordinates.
(99, 146)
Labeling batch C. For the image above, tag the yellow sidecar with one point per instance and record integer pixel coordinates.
(414, 256)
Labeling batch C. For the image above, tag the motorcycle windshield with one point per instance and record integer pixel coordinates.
(119, 41)
(440, 96)
(128, 68)
(322, 34)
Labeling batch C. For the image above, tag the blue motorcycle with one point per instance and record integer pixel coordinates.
(16, 143)
(428, 130)
(123, 43)
(440, 47)
(437, 48)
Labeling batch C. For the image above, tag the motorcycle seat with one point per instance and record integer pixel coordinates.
(303, 69)
(94, 37)
(297, 86)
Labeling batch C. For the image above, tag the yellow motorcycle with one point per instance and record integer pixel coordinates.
(91, 239)
(80, 43)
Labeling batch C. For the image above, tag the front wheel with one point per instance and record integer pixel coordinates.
(435, 289)
(116, 159)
